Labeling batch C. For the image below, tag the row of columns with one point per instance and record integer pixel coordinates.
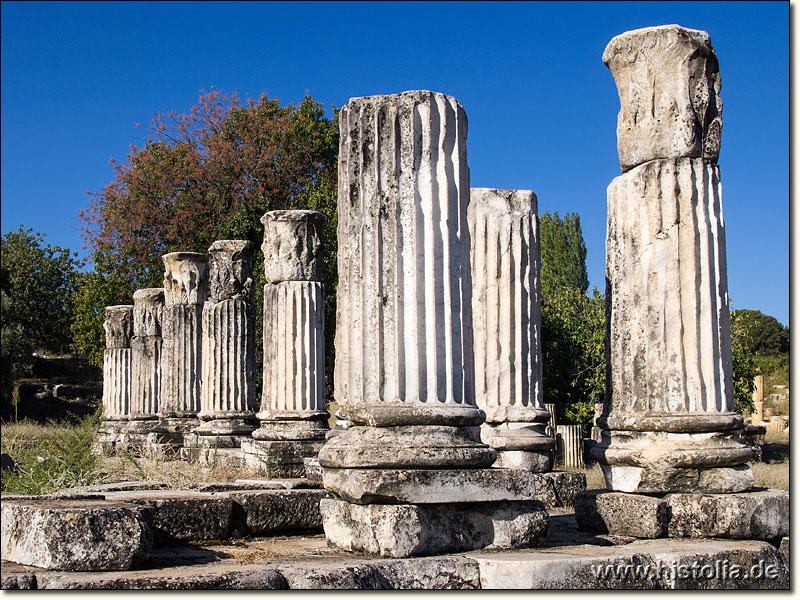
(180, 362)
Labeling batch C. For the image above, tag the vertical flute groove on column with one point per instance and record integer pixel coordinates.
(294, 352)
(228, 346)
(403, 302)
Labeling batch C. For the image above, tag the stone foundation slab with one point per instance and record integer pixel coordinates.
(403, 530)
(758, 515)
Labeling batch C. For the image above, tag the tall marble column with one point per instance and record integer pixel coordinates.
(185, 291)
(148, 306)
(294, 419)
(228, 393)
(668, 422)
(404, 353)
(118, 326)
(506, 325)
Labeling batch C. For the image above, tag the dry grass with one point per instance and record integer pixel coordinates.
(594, 477)
(174, 472)
(771, 475)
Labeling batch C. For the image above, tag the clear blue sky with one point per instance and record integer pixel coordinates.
(542, 107)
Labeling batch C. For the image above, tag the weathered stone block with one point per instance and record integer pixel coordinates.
(558, 488)
(429, 486)
(278, 458)
(784, 548)
(439, 573)
(668, 82)
(183, 516)
(202, 577)
(76, 535)
(760, 515)
(402, 530)
(634, 515)
(266, 512)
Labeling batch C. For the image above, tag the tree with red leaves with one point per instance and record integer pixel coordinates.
(201, 176)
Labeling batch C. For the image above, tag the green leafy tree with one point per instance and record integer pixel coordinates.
(201, 176)
(39, 280)
(767, 336)
(573, 322)
(573, 353)
(744, 367)
(760, 346)
(563, 254)
(16, 347)
(97, 289)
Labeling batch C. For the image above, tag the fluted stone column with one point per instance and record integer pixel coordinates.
(228, 393)
(294, 419)
(506, 324)
(148, 306)
(185, 291)
(668, 420)
(118, 326)
(404, 353)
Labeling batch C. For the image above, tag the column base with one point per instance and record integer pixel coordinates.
(293, 430)
(663, 462)
(661, 480)
(277, 458)
(110, 434)
(534, 461)
(403, 530)
(173, 430)
(429, 486)
(407, 447)
(228, 426)
(757, 515)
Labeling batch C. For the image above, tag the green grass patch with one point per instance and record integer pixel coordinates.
(50, 457)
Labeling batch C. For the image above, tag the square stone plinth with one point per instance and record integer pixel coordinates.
(280, 458)
(429, 486)
(757, 515)
(403, 530)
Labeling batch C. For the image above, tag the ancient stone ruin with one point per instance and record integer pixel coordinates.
(293, 416)
(442, 444)
(506, 325)
(228, 354)
(668, 424)
(148, 306)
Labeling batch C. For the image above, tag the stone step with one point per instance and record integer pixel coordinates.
(308, 563)
(116, 529)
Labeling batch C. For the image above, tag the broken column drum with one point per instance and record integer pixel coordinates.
(185, 291)
(293, 416)
(118, 326)
(148, 306)
(668, 420)
(228, 390)
(506, 324)
(403, 376)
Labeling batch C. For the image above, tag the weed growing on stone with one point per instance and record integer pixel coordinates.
(50, 457)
